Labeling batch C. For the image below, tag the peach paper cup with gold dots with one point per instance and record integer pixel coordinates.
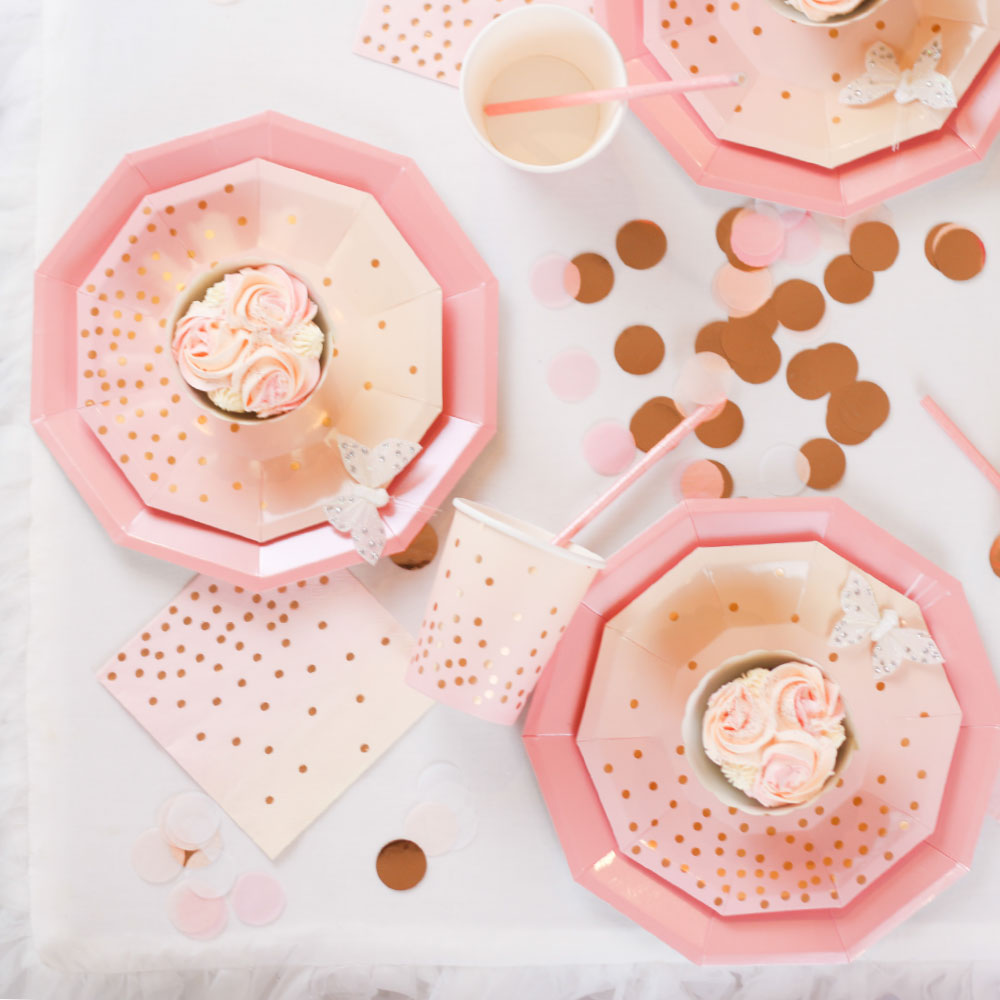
(708, 772)
(503, 596)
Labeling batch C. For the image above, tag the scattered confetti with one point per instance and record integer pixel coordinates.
(874, 246)
(723, 236)
(704, 378)
(420, 552)
(401, 865)
(814, 373)
(723, 430)
(854, 412)
(641, 244)
(257, 899)
(995, 556)
(705, 480)
(750, 350)
(958, 253)
(215, 880)
(195, 916)
(802, 242)
(846, 281)
(639, 350)
(191, 820)
(555, 281)
(827, 463)
(154, 859)
(757, 238)
(608, 448)
(597, 277)
(573, 375)
(742, 292)
(800, 305)
(654, 419)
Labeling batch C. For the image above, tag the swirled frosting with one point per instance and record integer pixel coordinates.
(250, 343)
(823, 10)
(775, 732)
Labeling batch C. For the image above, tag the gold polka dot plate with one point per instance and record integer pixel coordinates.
(639, 821)
(411, 314)
(766, 139)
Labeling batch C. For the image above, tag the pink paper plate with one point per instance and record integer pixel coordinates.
(674, 906)
(790, 102)
(411, 305)
(737, 164)
(723, 602)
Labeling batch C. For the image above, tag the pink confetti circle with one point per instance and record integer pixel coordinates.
(704, 378)
(702, 480)
(573, 375)
(191, 820)
(257, 899)
(153, 859)
(742, 292)
(802, 241)
(196, 916)
(609, 448)
(555, 281)
(757, 238)
(432, 825)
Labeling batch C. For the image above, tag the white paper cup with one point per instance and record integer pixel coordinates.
(708, 772)
(503, 596)
(538, 51)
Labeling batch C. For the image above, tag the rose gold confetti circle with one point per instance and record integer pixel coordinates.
(958, 253)
(420, 552)
(827, 463)
(641, 244)
(847, 282)
(995, 555)
(874, 246)
(854, 412)
(812, 374)
(597, 277)
(401, 865)
(709, 338)
(723, 430)
(751, 351)
(800, 305)
(653, 420)
(639, 350)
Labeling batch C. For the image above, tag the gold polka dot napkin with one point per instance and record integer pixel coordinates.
(273, 702)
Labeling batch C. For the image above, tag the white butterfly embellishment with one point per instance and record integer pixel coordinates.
(883, 76)
(355, 512)
(864, 619)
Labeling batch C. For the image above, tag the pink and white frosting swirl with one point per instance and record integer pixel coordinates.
(775, 732)
(250, 342)
(267, 298)
(823, 10)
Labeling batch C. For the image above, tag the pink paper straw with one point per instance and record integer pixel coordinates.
(971, 452)
(666, 444)
(613, 94)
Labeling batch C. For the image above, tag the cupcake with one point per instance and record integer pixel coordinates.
(775, 732)
(251, 343)
(826, 11)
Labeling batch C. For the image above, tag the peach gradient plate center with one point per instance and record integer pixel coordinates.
(403, 294)
(795, 72)
(724, 602)
(643, 829)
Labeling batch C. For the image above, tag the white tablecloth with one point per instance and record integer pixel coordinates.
(89, 81)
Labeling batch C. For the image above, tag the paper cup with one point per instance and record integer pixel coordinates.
(708, 772)
(503, 597)
(539, 51)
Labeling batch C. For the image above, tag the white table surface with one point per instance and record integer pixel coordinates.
(90, 81)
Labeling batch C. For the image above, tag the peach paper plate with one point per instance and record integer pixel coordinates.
(606, 720)
(760, 154)
(413, 323)
(724, 602)
(789, 104)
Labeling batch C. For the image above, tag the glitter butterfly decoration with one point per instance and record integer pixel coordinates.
(355, 512)
(883, 76)
(864, 619)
